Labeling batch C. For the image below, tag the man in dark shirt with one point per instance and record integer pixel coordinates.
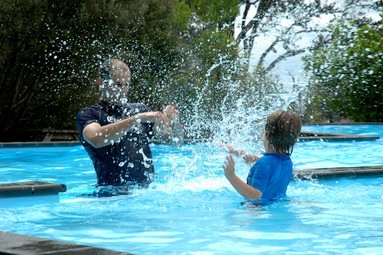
(116, 134)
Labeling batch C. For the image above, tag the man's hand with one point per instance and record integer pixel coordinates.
(149, 117)
(171, 112)
(168, 127)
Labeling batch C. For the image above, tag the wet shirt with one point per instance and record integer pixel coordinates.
(271, 174)
(128, 160)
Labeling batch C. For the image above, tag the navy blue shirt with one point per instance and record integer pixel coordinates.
(126, 161)
(271, 175)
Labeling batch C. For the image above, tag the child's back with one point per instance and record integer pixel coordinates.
(271, 174)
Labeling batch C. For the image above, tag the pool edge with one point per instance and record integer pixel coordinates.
(18, 244)
(337, 172)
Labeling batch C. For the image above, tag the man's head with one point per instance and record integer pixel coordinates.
(282, 130)
(114, 81)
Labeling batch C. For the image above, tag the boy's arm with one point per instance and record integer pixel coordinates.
(247, 191)
(247, 157)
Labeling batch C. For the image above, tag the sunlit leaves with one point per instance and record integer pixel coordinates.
(51, 50)
(347, 74)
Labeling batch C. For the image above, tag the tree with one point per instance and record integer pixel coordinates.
(50, 52)
(288, 26)
(209, 56)
(346, 75)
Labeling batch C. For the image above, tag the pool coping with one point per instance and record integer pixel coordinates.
(17, 244)
(30, 188)
(315, 136)
(338, 172)
(305, 136)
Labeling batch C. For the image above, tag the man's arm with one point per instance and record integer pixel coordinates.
(169, 128)
(100, 136)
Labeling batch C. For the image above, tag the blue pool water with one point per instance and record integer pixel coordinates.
(191, 208)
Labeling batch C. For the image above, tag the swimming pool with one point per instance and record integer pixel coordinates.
(192, 209)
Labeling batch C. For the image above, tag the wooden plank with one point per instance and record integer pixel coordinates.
(32, 188)
(48, 137)
(313, 136)
(338, 172)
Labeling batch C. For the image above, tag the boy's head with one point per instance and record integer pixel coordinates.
(282, 130)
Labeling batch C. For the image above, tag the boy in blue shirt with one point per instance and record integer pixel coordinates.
(271, 173)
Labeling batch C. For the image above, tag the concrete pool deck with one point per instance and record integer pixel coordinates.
(15, 244)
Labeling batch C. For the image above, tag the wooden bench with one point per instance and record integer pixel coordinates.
(60, 135)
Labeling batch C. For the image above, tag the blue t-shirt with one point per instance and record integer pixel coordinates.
(271, 174)
(126, 161)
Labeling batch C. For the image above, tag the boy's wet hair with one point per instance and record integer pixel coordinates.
(282, 130)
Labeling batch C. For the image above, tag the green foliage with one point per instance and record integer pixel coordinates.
(259, 91)
(207, 63)
(50, 52)
(182, 13)
(347, 75)
(216, 12)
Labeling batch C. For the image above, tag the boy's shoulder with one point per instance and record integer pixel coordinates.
(274, 156)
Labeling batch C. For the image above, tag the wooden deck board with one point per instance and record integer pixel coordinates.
(31, 188)
(320, 173)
